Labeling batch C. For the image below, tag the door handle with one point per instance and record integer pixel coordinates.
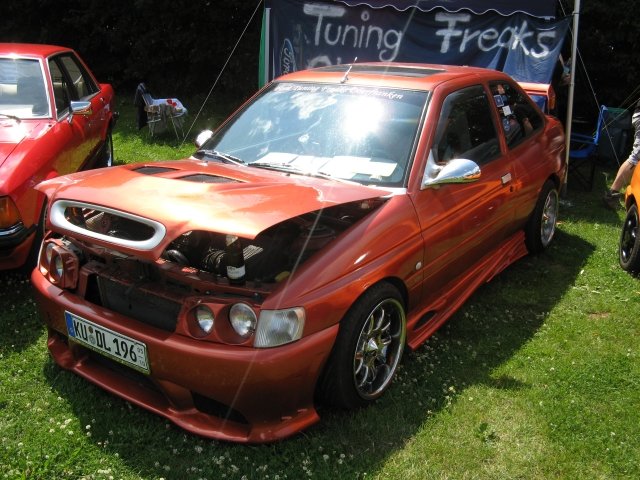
(506, 178)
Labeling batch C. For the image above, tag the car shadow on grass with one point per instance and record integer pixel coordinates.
(496, 322)
(21, 325)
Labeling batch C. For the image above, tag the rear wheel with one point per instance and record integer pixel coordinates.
(367, 351)
(629, 247)
(541, 226)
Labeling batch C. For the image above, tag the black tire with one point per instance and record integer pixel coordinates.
(367, 351)
(105, 157)
(32, 258)
(629, 246)
(541, 225)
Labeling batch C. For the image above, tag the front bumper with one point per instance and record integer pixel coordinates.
(218, 391)
(15, 245)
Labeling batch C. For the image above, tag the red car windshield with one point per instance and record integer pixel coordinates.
(22, 89)
(345, 132)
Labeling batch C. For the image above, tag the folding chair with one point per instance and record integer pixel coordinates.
(150, 112)
(175, 111)
(583, 153)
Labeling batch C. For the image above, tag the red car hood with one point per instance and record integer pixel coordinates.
(244, 201)
(13, 132)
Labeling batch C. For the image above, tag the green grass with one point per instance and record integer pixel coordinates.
(536, 377)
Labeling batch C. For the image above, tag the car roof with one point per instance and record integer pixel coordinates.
(30, 49)
(402, 75)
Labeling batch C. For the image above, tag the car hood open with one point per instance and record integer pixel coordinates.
(189, 195)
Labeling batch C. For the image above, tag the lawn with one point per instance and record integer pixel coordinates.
(536, 377)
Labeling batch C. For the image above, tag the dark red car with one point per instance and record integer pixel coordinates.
(341, 215)
(55, 118)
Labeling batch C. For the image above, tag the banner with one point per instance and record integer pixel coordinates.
(300, 34)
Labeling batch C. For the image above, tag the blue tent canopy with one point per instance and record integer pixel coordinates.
(535, 8)
(522, 38)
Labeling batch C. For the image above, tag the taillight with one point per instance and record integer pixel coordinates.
(59, 264)
(9, 214)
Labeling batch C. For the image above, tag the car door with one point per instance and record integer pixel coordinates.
(82, 132)
(462, 223)
(522, 124)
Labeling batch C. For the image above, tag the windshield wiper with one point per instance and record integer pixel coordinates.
(281, 167)
(225, 157)
(12, 117)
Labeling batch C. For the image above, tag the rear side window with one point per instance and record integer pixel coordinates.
(518, 117)
(81, 82)
(70, 81)
(465, 128)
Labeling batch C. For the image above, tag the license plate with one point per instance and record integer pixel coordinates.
(119, 347)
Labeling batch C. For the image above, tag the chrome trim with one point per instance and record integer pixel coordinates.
(58, 219)
(6, 232)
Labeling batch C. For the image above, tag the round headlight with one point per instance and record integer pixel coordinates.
(243, 319)
(58, 266)
(49, 252)
(205, 318)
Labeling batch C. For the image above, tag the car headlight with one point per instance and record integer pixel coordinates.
(9, 214)
(205, 318)
(277, 327)
(59, 264)
(243, 319)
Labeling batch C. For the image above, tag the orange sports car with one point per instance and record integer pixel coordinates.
(341, 215)
(629, 245)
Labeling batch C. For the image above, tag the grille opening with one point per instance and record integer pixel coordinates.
(108, 224)
(212, 407)
(152, 170)
(139, 304)
(204, 178)
(92, 292)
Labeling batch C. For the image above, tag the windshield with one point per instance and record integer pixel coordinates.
(344, 132)
(22, 89)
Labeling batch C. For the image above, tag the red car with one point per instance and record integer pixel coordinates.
(339, 216)
(55, 118)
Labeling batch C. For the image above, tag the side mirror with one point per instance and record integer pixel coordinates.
(80, 108)
(459, 170)
(203, 137)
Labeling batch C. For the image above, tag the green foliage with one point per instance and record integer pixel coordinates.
(177, 47)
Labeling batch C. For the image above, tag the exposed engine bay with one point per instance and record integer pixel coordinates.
(269, 258)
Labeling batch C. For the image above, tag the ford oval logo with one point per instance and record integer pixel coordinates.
(287, 58)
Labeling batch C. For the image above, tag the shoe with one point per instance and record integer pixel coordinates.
(613, 200)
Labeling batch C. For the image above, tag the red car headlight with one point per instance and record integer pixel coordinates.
(9, 214)
(59, 264)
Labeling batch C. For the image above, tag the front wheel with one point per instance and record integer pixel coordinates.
(367, 351)
(541, 225)
(629, 246)
(105, 157)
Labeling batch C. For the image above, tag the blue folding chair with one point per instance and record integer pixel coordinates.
(583, 152)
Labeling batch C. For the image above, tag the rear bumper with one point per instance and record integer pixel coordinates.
(218, 391)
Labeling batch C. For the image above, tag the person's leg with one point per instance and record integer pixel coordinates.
(614, 196)
(623, 177)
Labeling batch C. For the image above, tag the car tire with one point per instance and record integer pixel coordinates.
(32, 258)
(629, 246)
(541, 225)
(367, 351)
(105, 157)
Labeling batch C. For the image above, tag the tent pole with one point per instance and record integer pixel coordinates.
(572, 83)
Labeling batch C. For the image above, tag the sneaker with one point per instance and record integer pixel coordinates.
(613, 200)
